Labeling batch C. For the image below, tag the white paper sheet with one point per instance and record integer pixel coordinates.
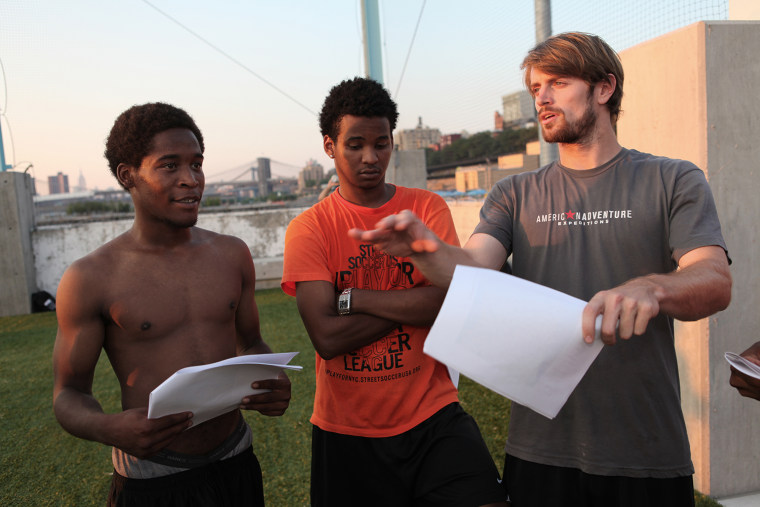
(743, 365)
(519, 339)
(213, 389)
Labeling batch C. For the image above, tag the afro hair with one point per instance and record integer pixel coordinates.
(131, 137)
(357, 97)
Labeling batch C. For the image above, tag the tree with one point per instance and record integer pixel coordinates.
(482, 145)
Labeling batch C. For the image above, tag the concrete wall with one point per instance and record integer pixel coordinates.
(407, 168)
(692, 94)
(466, 215)
(17, 281)
(743, 9)
(57, 246)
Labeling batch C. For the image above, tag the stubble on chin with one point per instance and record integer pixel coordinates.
(575, 133)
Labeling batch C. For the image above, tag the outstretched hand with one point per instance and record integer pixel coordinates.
(400, 235)
(746, 385)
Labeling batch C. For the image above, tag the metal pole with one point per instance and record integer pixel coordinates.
(3, 165)
(549, 151)
(373, 60)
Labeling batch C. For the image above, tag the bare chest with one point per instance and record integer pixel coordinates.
(172, 294)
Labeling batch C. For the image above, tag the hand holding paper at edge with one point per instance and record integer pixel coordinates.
(214, 389)
(745, 371)
(520, 339)
(745, 366)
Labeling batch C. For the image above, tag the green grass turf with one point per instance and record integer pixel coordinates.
(42, 465)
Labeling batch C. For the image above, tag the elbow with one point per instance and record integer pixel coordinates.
(719, 297)
(326, 355)
(722, 289)
(325, 348)
(723, 298)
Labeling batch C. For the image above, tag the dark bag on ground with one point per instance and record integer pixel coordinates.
(43, 301)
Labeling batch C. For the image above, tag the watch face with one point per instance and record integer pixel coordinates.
(344, 303)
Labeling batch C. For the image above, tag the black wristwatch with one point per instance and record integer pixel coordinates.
(344, 302)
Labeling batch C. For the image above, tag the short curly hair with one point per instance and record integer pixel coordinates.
(132, 134)
(358, 97)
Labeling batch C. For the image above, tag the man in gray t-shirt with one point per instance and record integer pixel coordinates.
(635, 235)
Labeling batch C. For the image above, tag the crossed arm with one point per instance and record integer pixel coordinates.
(700, 287)
(375, 313)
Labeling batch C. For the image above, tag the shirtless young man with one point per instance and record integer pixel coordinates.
(162, 296)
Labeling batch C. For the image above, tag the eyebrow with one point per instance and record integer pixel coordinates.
(174, 156)
(361, 138)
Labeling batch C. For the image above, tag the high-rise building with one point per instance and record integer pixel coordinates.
(418, 137)
(498, 122)
(519, 109)
(58, 184)
(263, 175)
(82, 184)
(312, 171)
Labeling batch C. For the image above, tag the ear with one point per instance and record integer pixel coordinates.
(329, 145)
(605, 89)
(125, 175)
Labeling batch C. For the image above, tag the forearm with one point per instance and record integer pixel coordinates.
(417, 306)
(700, 287)
(694, 292)
(341, 334)
(81, 415)
(438, 266)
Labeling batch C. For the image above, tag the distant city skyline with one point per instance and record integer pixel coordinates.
(71, 68)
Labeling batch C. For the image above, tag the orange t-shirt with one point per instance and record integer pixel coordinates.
(390, 385)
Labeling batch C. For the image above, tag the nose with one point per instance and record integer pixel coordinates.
(190, 177)
(369, 156)
(542, 96)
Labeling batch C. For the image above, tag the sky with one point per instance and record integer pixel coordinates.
(254, 73)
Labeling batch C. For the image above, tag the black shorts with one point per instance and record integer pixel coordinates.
(230, 483)
(441, 462)
(535, 485)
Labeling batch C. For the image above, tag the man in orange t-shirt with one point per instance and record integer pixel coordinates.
(388, 428)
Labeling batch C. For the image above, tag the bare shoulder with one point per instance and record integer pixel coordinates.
(223, 248)
(91, 266)
(82, 294)
(226, 244)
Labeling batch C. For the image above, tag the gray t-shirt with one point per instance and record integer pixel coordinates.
(581, 232)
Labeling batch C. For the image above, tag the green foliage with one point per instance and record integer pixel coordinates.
(211, 202)
(483, 144)
(701, 500)
(93, 207)
(281, 197)
(42, 465)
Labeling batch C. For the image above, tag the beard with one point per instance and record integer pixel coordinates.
(577, 132)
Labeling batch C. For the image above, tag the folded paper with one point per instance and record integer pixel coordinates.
(211, 390)
(743, 365)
